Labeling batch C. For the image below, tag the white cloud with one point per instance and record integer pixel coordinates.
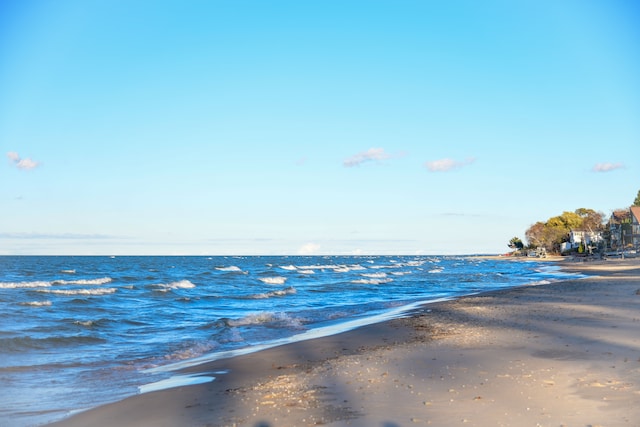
(26, 164)
(444, 165)
(372, 154)
(607, 167)
(308, 249)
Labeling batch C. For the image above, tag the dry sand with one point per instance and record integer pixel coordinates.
(564, 354)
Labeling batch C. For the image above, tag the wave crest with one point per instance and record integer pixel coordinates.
(90, 292)
(279, 293)
(277, 280)
(267, 318)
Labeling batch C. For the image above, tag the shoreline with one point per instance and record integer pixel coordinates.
(559, 354)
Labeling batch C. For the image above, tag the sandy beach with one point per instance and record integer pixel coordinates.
(563, 354)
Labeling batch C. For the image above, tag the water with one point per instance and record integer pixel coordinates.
(76, 332)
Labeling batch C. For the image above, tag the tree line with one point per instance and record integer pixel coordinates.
(551, 233)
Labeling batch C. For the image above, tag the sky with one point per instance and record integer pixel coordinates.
(239, 127)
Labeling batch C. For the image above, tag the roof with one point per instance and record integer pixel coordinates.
(635, 211)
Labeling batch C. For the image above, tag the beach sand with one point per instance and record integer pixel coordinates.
(563, 354)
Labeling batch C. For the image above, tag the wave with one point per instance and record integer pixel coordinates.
(374, 275)
(371, 281)
(192, 350)
(279, 293)
(19, 344)
(46, 284)
(267, 318)
(94, 292)
(181, 284)
(289, 267)
(68, 271)
(436, 270)
(231, 269)
(277, 280)
(90, 323)
(37, 303)
(17, 285)
(306, 272)
(100, 281)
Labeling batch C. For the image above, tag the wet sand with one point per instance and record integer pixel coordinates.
(563, 354)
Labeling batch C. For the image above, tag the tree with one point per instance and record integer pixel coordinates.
(552, 233)
(535, 234)
(591, 220)
(636, 202)
(516, 244)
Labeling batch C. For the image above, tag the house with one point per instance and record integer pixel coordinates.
(635, 226)
(624, 229)
(588, 239)
(619, 229)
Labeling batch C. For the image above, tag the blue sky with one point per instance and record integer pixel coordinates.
(311, 127)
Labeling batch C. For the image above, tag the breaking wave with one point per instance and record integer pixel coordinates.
(17, 285)
(85, 282)
(267, 318)
(181, 284)
(279, 293)
(230, 269)
(46, 284)
(278, 280)
(37, 303)
(94, 292)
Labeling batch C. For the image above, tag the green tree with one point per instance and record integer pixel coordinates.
(516, 244)
(552, 233)
(636, 202)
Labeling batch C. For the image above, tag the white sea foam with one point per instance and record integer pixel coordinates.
(306, 272)
(231, 268)
(100, 281)
(95, 291)
(181, 284)
(289, 267)
(400, 273)
(278, 280)
(17, 285)
(68, 271)
(374, 275)
(176, 381)
(279, 293)
(267, 317)
(436, 270)
(319, 267)
(37, 303)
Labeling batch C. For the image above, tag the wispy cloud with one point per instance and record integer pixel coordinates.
(372, 154)
(444, 165)
(607, 167)
(20, 163)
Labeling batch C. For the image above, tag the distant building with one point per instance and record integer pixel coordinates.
(588, 239)
(635, 226)
(624, 230)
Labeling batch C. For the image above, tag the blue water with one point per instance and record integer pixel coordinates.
(76, 332)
